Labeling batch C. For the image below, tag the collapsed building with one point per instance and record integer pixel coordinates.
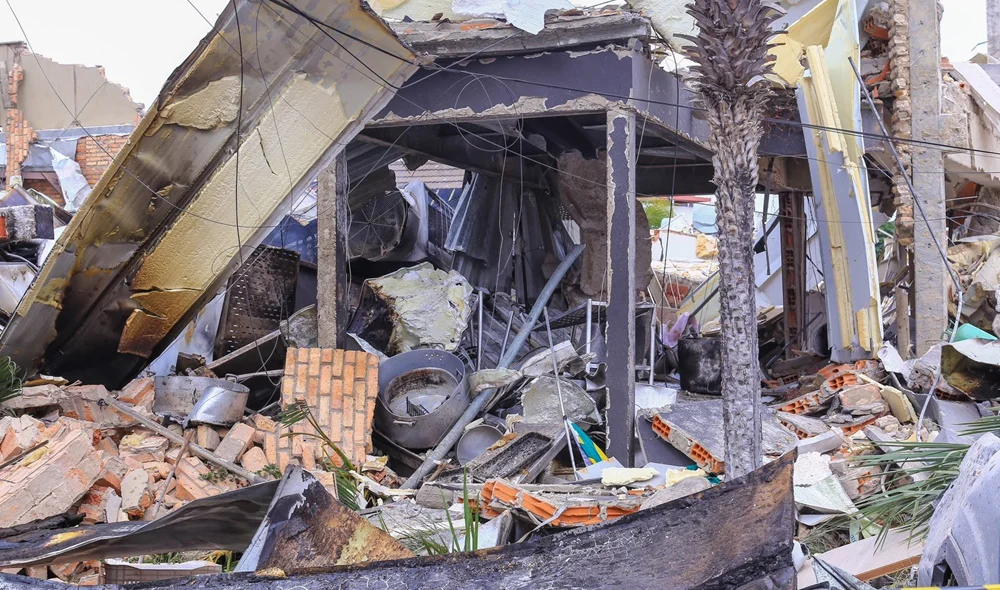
(415, 255)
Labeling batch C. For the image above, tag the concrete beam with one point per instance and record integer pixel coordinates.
(931, 309)
(620, 336)
(331, 220)
(455, 40)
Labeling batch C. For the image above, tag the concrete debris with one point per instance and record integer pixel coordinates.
(540, 398)
(621, 476)
(817, 488)
(430, 308)
(862, 399)
(695, 429)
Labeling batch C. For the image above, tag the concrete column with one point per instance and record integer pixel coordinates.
(620, 336)
(993, 28)
(331, 255)
(931, 310)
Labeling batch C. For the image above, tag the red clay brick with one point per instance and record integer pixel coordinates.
(338, 363)
(339, 387)
(314, 361)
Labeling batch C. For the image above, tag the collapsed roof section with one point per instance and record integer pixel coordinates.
(188, 194)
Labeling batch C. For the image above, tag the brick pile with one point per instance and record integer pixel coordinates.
(71, 452)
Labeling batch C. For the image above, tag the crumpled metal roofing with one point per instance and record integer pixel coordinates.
(161, 231)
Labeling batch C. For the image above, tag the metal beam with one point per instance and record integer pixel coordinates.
(467, 152)
(455, 40)
(620, 335)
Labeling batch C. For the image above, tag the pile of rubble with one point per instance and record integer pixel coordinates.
(529, 447)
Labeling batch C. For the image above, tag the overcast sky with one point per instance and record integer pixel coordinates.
(139, 42)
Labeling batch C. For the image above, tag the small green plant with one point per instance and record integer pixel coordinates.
(270, 470)
(347, 489)
(219, 475)
(427, 537)
(471, 517)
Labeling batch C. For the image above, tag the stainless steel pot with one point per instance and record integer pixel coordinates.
(421, 393)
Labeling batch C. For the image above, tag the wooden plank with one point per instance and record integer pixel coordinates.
(866, 560)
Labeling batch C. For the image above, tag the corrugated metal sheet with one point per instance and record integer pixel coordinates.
(161, 231)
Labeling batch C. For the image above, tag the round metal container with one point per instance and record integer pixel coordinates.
(476, 441)
(432, 380)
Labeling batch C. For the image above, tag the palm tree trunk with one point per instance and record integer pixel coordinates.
(731, 56)
(735, 135)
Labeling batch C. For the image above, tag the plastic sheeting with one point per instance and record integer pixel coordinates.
(75, 188)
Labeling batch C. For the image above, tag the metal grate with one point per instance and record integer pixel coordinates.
(259, 296)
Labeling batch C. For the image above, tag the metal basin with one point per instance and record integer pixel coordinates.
(421, 393)
(476, 441)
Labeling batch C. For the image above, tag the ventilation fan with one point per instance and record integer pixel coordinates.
(377, 226)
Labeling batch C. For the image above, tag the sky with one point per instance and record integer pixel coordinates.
(139, 42)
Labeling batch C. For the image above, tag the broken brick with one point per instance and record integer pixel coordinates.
(236, 442)
(139, 393)
(65, 471)
(143, 449)
(136, 494)
(93, 507)
(862, 399)
(207, 438)
(157, 469)
(254, 460)
(113, 471)
(87, 402)
(195, 480)
(23, 433)
(107, 445)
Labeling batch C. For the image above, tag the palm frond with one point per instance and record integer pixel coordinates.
(915, 476)
(299, 411)
(10, 381)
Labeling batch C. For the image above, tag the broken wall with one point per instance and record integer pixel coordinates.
(582, 188)
(86, 90)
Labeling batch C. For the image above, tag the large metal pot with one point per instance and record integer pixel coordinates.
(415, 382)
(199, 400)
